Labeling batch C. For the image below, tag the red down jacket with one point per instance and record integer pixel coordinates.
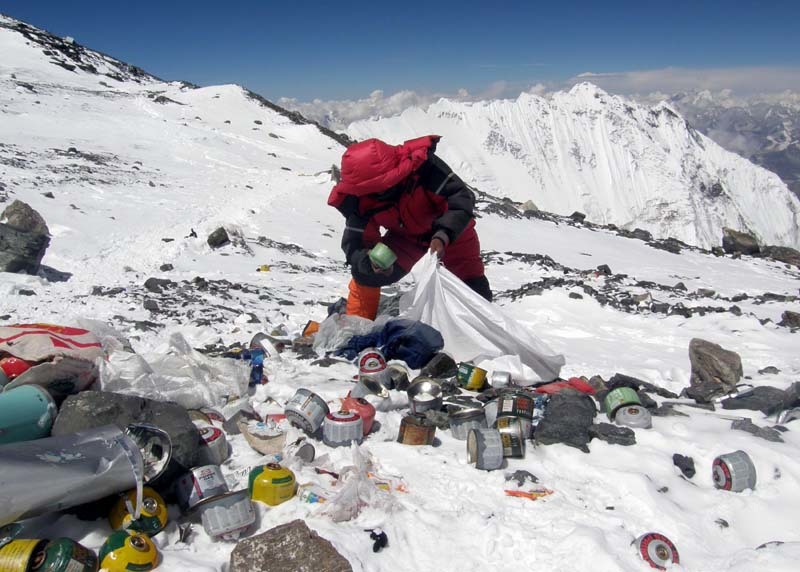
(413, 195)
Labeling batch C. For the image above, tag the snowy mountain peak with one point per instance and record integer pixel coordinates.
(613, 159)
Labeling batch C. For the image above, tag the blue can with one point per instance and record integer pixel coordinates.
(27, 412)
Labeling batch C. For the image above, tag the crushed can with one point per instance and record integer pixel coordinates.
(153, 516)
(39, 476)
(657, 550)
(199, 485)
(271, 484)
(227, 516)
(342, 428)
(65, 555)
(617, 398)
(500, 379)
(306, 410)
(126, 550)
(365, 410)
(27, 412)
(734, 472)
(213, 446)
(485, 449)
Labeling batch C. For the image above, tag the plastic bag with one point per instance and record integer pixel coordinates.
(176, 373)
(474, 329)
(337, 329)
(357, 490)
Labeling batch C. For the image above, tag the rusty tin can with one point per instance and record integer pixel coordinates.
(415, 429)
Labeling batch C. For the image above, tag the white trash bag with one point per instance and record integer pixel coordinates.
(473, 328)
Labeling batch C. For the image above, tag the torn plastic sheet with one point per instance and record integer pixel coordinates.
(56, 473)
(176, 373)
(474, 329)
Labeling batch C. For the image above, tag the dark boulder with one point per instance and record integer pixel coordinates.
(766, 399)
(715, 371)
(578, 216)
(734, 241)
(790, 319)
(613, 434)
(24, 238)
(685, 464)
(218, 238)
(782, 254)
(90, 409)
(291, 547)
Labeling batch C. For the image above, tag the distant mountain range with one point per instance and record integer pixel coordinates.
(765, 129)
(611, 158)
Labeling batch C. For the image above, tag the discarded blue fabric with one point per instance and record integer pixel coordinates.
(413, 342)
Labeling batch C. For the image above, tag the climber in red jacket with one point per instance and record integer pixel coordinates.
(412, 194)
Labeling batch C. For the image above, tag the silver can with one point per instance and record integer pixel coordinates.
(342, 428)
(228, 516)
(734, 472)
(500, 379)
(198, 485)
(424, 394)
(485, 449)
(490, 410)
(513, 436)
(306, 410)
(213, 446)
(462, 421)
(634, 416)
(301, 449)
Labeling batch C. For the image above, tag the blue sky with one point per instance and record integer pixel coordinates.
(347, 49)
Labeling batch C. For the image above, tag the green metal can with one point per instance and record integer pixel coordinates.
(382, 256)
(619, 397)
(470, 377)
(65, 555)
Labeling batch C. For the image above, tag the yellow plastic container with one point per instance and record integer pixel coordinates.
(126, 550)
(272, 484)
(152, 520)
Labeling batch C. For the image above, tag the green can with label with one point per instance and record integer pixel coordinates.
(382, 256)
(619, 397)
(66, 555)
(470, 376)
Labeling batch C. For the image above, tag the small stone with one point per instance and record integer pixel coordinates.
(151, 183)
(578, 216)
(763, 432)
(680, 286)
(48, 195)
(438, 418)
(521, 477)
(150, 305)
(790, 319)
(24, 292)
(706, 292)
(613, 434)
(166, 267)
(156, 285)
(604, 269)
(722, 523)
(685, 464)
(575, 296)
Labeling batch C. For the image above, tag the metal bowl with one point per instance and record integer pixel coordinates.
(424, 394)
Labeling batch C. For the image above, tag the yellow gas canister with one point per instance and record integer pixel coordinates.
(271, 484)
(125, 551)
(19, 555)
(154, 513)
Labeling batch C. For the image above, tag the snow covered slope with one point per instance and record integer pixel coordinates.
(85, 154)
(610, 158)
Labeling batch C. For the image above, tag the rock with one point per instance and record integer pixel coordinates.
(156, 285)
(567, 419)
(438, 418)
(715, 371)
(735, 241)
(150, 305)
(22, 217)
(647, 401)
(770, 369)
(575, 296)
(613, 434)
(680, 286)
(622, 380)
(166, 267)
(706, 292)
(766, 399)
(90, 409)
(717, 251)
(529, 206)
(763, 432)
(218, 238)
(440, 366)
(782, 254)
(48, 195)
(291, 547)
(641, 234)
(336, 174)
(24, 238)
(604, 269)
(578, 216)
(790, 319)
(521, 477)
(685, 464)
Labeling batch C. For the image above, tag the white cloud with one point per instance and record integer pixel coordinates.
(648, 86)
